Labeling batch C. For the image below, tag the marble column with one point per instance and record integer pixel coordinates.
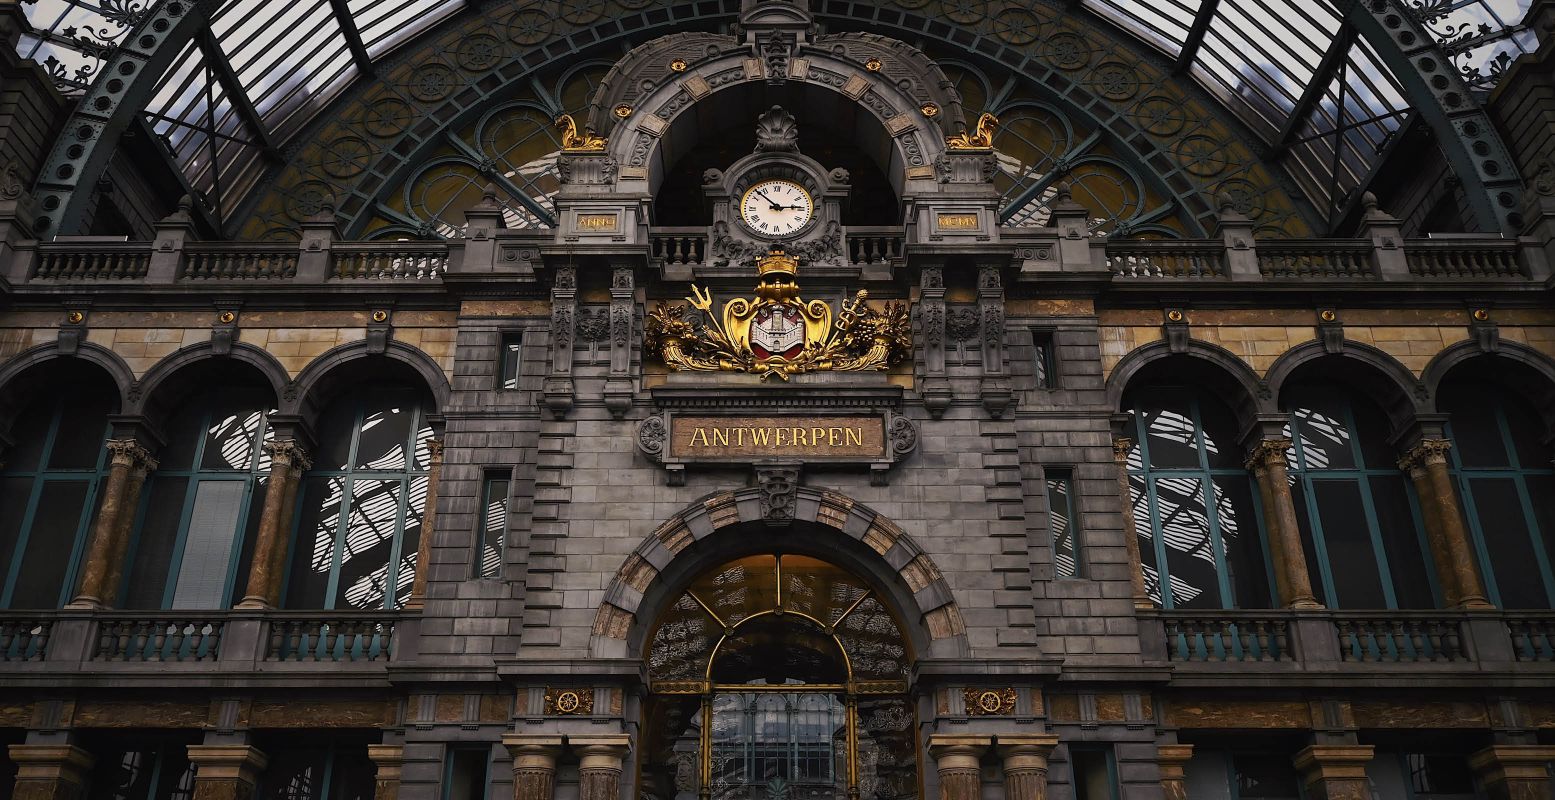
(49, 771)
(1515, 772)
(418, 588)
(1024, 758)
(1173, 761)
(226, 771)
(1136, 569)
(1335, 771)
(288, 460)
(957, 759)
(388, 759)
(534, 764)
(104, 565)
(1267, 463)
(599, 764)
(1456, 566)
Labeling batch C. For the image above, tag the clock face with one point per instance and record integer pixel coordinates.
(776, 208)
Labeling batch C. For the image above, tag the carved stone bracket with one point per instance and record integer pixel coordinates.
(779, 483)
(1330, 330)
(652, 435)
(623, 310)
(932, 322)
(996, 390)
(557, 392)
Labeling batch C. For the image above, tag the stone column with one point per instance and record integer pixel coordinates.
(534, 764)
(1136, 568)
(288, 461)
(418, 588)
(1025, 764)
(389, 759)
(105, 553)
(1173, 760)
(1454, 558)
(1267, 463)
(50, 771)
(226, 771)
(599, 764)
(957, 759)
(1515, 772)
(1335, 771)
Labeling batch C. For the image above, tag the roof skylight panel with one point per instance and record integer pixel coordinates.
(383, 25)
(1165, 23)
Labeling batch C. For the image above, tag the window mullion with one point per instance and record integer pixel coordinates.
(1211, 507)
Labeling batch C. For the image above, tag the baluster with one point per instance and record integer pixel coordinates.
(1452, 642)
(297, 637)
(152, 638)
(1225, 640)
(122, 645)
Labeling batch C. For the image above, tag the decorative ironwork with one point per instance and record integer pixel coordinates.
(777, 333)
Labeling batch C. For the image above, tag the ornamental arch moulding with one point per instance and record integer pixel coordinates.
(648, 105)
(826, 525)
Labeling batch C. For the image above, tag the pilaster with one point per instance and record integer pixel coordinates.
(558, 393)
(1515, 772)
(226, 771)
(1024, 758)
(418, 588)
(50, 772)
(931, 322)
(1136, 572)
(1335, 771)
(623, 310)
(534, 764)
(599, 764)
(389, 760)
(1173, 760)
(996, 390)
(957, 760)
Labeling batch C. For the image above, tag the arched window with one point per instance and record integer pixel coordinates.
(783, 673)
(202, 505)
(1360, 522)
(49, 489)
(1196, 552)
(359, 508)
(1501, 459)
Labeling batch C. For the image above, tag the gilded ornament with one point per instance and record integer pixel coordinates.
(569, 701)
(873, 65)
(1481, 314)
(380, 316)
(777, 333)
(226, 317)
(929, 110)
(989, 702)
(678, 65)
(75, 317)
(1174, 316)
(574, 141)
(1327, 315)
(978, 139)
(623, 111)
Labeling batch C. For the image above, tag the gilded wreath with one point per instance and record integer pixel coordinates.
(778, 333)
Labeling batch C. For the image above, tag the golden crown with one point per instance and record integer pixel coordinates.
(776, 262)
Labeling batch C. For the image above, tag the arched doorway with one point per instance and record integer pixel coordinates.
(778, 676)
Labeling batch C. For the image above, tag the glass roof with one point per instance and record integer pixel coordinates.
(1292, 70)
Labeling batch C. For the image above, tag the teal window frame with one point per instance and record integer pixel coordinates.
(41, 477)
(197, 474)
(450, 760)
(1519, 474)
(1206, 477)
(1361, 476)
(406, 478)
(1108, 752)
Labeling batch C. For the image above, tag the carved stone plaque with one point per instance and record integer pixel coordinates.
(847, 438)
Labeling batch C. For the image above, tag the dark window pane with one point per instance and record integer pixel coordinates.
(214, 517)
(512, 345)
(1476, 434)
(1266, 777)
(46, 561)
(1220, 434)
(1372, 430)
(494, 523)
(1243, 542)
(1139, 506)
(1529, 434)
(1093, 774)
(1298, 496)
(336, 429)
(295, 775)
(14, 495)
(1320, 422)
(1171, 433)
(78, 444)
(1060, 514)
(375, 512)
(352, 776)
(1509, 543)
(1190, 554)
(184, 431)
(1347, 536)
(1044, 372)
(385, 431)
(1403, 542)
(123, 774)
(422, 458)
(1542, 489)
(148, 575)
(313, 548)
(1439, 774)
(232, 438)
(30, 430)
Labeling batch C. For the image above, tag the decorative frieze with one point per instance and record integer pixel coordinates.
(569, 701)
(982, 702)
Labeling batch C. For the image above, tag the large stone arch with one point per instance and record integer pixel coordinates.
(826, 525)
(1401, 396)
(12, 390)
(1249, 395)
(1523, 368)
(306, 395)
(162, 378)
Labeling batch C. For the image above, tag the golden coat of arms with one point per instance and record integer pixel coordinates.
(777, 333)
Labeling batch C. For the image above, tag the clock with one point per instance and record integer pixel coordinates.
(776, 208)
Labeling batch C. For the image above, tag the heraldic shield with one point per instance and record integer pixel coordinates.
(777, 333)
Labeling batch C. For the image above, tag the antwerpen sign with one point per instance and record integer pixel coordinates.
(744, 438)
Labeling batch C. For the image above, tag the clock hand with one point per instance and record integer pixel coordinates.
(763, 195)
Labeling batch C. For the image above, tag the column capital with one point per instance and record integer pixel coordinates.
(1427, 452)
(288, 453)
(536, 747)
(958, 744)
(130, 453)
(241, 762)
(1121, 446)
(1501, 763)
(1025, 751)
(601, 746)
(1334, 762)
(435, 450)
(38, 761)
(1267, 452)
